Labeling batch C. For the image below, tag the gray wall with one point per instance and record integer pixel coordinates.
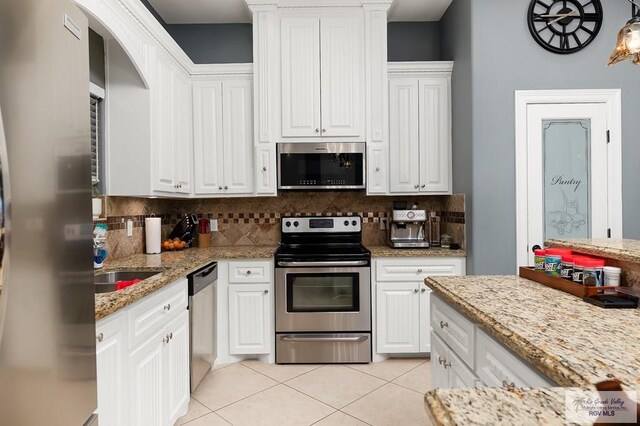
(96, 59)
(505, 58)
(215, 44)
(413, 41)
(455, 45)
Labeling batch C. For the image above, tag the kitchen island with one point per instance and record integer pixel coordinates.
(567, 340)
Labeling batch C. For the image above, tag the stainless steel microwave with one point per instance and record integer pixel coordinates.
(324, 165)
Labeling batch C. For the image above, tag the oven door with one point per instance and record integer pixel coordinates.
(326, 299)
(321, 166)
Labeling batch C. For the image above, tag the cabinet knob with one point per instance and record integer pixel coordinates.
(266, 291)
(423, 186)
(220, 188)
(441, 360)
(264, 169)
(226, 187)
(446, 364)
(416, 186)
(324, 130)
(167, 307)
(419, 270)
(423, 290)
(165, 339)
(170, 335)
(444, 324)
(377, 169)
(317, 130)
(100, 337)
(415, 290)
(248, 272)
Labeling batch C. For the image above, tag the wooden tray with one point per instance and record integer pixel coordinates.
(558, 283)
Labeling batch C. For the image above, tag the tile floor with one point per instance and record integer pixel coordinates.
(252, 393)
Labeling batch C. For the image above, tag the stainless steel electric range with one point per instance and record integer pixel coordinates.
(323, 292)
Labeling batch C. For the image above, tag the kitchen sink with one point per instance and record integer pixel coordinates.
(106, 282)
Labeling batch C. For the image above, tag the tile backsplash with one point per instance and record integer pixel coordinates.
(256, 221)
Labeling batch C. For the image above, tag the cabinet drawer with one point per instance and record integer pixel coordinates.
(152, 313)
(416, 269)
(498, 367)
(250, 272)
(456, 330)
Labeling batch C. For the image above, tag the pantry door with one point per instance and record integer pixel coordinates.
(571, 177)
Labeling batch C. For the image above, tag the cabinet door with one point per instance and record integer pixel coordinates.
(111, 374)
(439, 362)
(177, 367)
(425, 326)
(398, 321)
(207, 137)
(163, 149)
(183, 140)
(300, 65)
(342, 76)
(148, 381)
(266, 170)
(237, 113)
(377, 177)
(460, 376)
(404, 153)
(435, 135)
(249, 319)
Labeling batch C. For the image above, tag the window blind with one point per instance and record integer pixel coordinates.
(95, 138)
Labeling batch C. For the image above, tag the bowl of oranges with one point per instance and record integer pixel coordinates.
(174, 245)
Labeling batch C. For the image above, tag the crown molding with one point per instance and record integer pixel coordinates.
(420, 67)
(201, 70)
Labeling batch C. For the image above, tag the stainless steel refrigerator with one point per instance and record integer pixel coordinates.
(47, 319)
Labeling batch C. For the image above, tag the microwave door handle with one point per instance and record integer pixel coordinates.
(337, 264)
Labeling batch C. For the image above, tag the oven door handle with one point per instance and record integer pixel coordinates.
(354, 339)
(337, 263)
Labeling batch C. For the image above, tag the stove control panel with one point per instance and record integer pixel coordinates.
(321, 224)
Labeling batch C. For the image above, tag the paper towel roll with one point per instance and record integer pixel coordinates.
(153, 233)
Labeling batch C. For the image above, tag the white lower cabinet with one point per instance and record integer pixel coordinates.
(402, 301)
(145, 382)
(464, 356)
(250, 286)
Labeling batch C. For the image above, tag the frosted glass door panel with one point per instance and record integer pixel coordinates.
(567, 178)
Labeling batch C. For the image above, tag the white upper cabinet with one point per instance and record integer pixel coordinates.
(322, 75)
(420, 128)
(223, 136)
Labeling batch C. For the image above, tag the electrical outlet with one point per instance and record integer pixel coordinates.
(129, 228)
(214, 225)
(383, 223)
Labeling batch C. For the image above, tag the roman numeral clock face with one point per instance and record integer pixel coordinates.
(564, 26)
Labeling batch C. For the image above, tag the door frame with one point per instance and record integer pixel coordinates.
(612, 98)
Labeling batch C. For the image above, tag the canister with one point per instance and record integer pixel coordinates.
(566, 268)
(552, 264)
(578, 269)
(539, 257)
(612, 276)
(590, 278)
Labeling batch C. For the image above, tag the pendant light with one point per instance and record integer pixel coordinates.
(628, 43)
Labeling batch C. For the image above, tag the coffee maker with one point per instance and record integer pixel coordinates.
(407, 227)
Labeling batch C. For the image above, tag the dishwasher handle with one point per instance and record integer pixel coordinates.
(202, 278)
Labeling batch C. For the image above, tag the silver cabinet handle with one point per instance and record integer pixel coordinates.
(248, 272)
(264, 169)
(170, 335)
(167, 307)
(377, 169)
(266, 291)
(419, 270)
(444, 324)
(508, 385)
(415, 290)
(423, 186)
(220, 188)
(441, 360)
(165, 339)
(446, 365)
(423, 290)
(317, 130)
(226, 187)
(324, 130)
(100, 337)
(416, 186)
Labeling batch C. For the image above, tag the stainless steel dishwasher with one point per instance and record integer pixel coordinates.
(202, 321)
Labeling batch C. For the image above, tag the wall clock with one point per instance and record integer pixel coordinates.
(564, 26)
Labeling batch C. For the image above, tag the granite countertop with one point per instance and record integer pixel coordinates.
(386, 251)
(621, 249)
(571, 342)
(173, 265)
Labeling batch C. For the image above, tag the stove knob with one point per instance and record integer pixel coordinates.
(354, 223)
(288, 224)
(296, 224)
(346, 223)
